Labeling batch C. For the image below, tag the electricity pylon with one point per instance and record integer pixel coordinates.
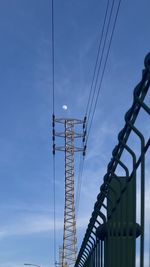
(69, 250)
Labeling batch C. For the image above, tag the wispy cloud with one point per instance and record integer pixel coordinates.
(34, 224)
(29, 224)
(103, 133)
(15, 264)
(11, 264)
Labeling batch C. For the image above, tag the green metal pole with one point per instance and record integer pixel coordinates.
(120, 244)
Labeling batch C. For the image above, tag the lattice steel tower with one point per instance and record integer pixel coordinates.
(69, 134)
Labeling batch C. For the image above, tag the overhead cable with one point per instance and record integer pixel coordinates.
(79, 184)
(54, 203)
(53, 60)
(93, 91)
(102, 55)
(104, 68)
(53, 126)
(96, 63)
(88, 110)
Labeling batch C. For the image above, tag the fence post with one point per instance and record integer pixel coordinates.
(120, 231)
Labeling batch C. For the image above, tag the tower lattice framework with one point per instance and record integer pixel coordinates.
(69, 240)
(69, 250)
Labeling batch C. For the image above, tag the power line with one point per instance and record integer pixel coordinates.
(53, 59)
(104, 68)
(102, 53)
(96, 63)
(92, 93)
(79, 184)
(88, 110)
(90, 103)
(54, 195)
(53, 125)
(81, 165)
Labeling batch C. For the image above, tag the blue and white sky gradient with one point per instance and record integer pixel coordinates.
(26, 190)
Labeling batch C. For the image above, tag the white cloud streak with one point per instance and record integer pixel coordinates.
(37, 224)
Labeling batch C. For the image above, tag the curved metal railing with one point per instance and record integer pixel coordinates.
(101, 231)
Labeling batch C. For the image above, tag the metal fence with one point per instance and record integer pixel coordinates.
(116, 235)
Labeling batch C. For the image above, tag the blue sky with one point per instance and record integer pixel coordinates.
(26, 192)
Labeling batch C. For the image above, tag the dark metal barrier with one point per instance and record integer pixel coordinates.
(115, 233)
